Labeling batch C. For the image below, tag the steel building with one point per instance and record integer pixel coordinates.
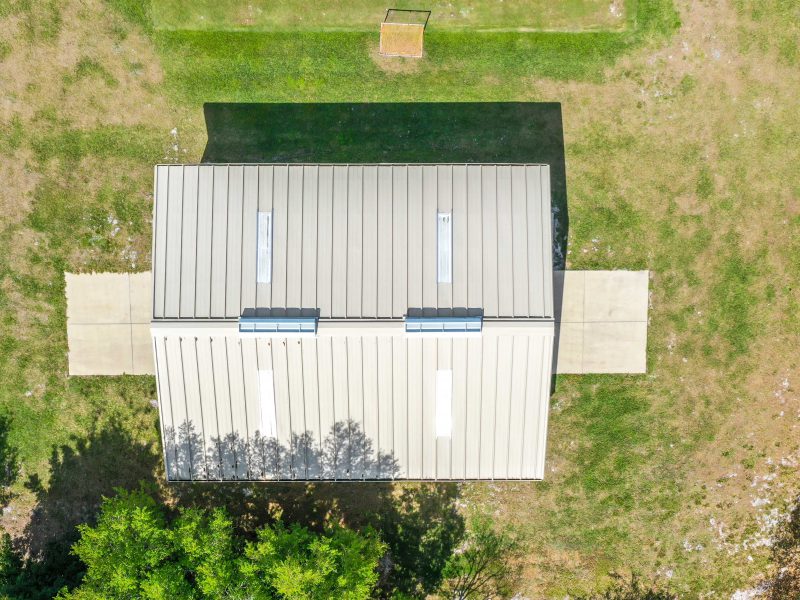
(353, 322)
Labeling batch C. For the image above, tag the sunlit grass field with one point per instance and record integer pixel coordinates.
(681, 146)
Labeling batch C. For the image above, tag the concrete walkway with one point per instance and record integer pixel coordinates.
(108, 323)
(601, 321)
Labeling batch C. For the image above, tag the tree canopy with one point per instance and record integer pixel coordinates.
(134, 551)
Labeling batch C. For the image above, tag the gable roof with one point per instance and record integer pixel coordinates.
(351, 241)
(352, 405)
(357, 246)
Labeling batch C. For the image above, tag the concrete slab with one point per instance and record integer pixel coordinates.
(615, 347)
(142, 349)
(615, 296)
(141, 297)
(569, 348)
(108, 323)
(99, 349)
(601, 326)
(568, 296)
(98, 298)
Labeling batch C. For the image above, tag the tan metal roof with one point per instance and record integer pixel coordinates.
(357, 401)
(352, 241)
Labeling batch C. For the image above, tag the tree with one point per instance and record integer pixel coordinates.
(422, 528)
(130, 553)
(134, 551)
(483, 567)
(296, 564)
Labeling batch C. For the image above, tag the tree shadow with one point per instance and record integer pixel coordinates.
(80, 475)
(420, 523)
(346, 453)
(9, 462)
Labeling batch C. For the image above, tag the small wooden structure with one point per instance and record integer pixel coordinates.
(403, 31)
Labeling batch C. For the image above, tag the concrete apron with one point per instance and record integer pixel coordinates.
(108, 323)
(601, 322)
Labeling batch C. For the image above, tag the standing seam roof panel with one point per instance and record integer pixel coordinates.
(351, 241)
(333, 434)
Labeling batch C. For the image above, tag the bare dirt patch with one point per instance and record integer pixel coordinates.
(393, 64)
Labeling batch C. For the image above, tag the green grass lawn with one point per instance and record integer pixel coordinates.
(365, 15)
(680, 154)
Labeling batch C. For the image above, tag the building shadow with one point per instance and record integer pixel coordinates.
(81, 474)
(402, 132)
